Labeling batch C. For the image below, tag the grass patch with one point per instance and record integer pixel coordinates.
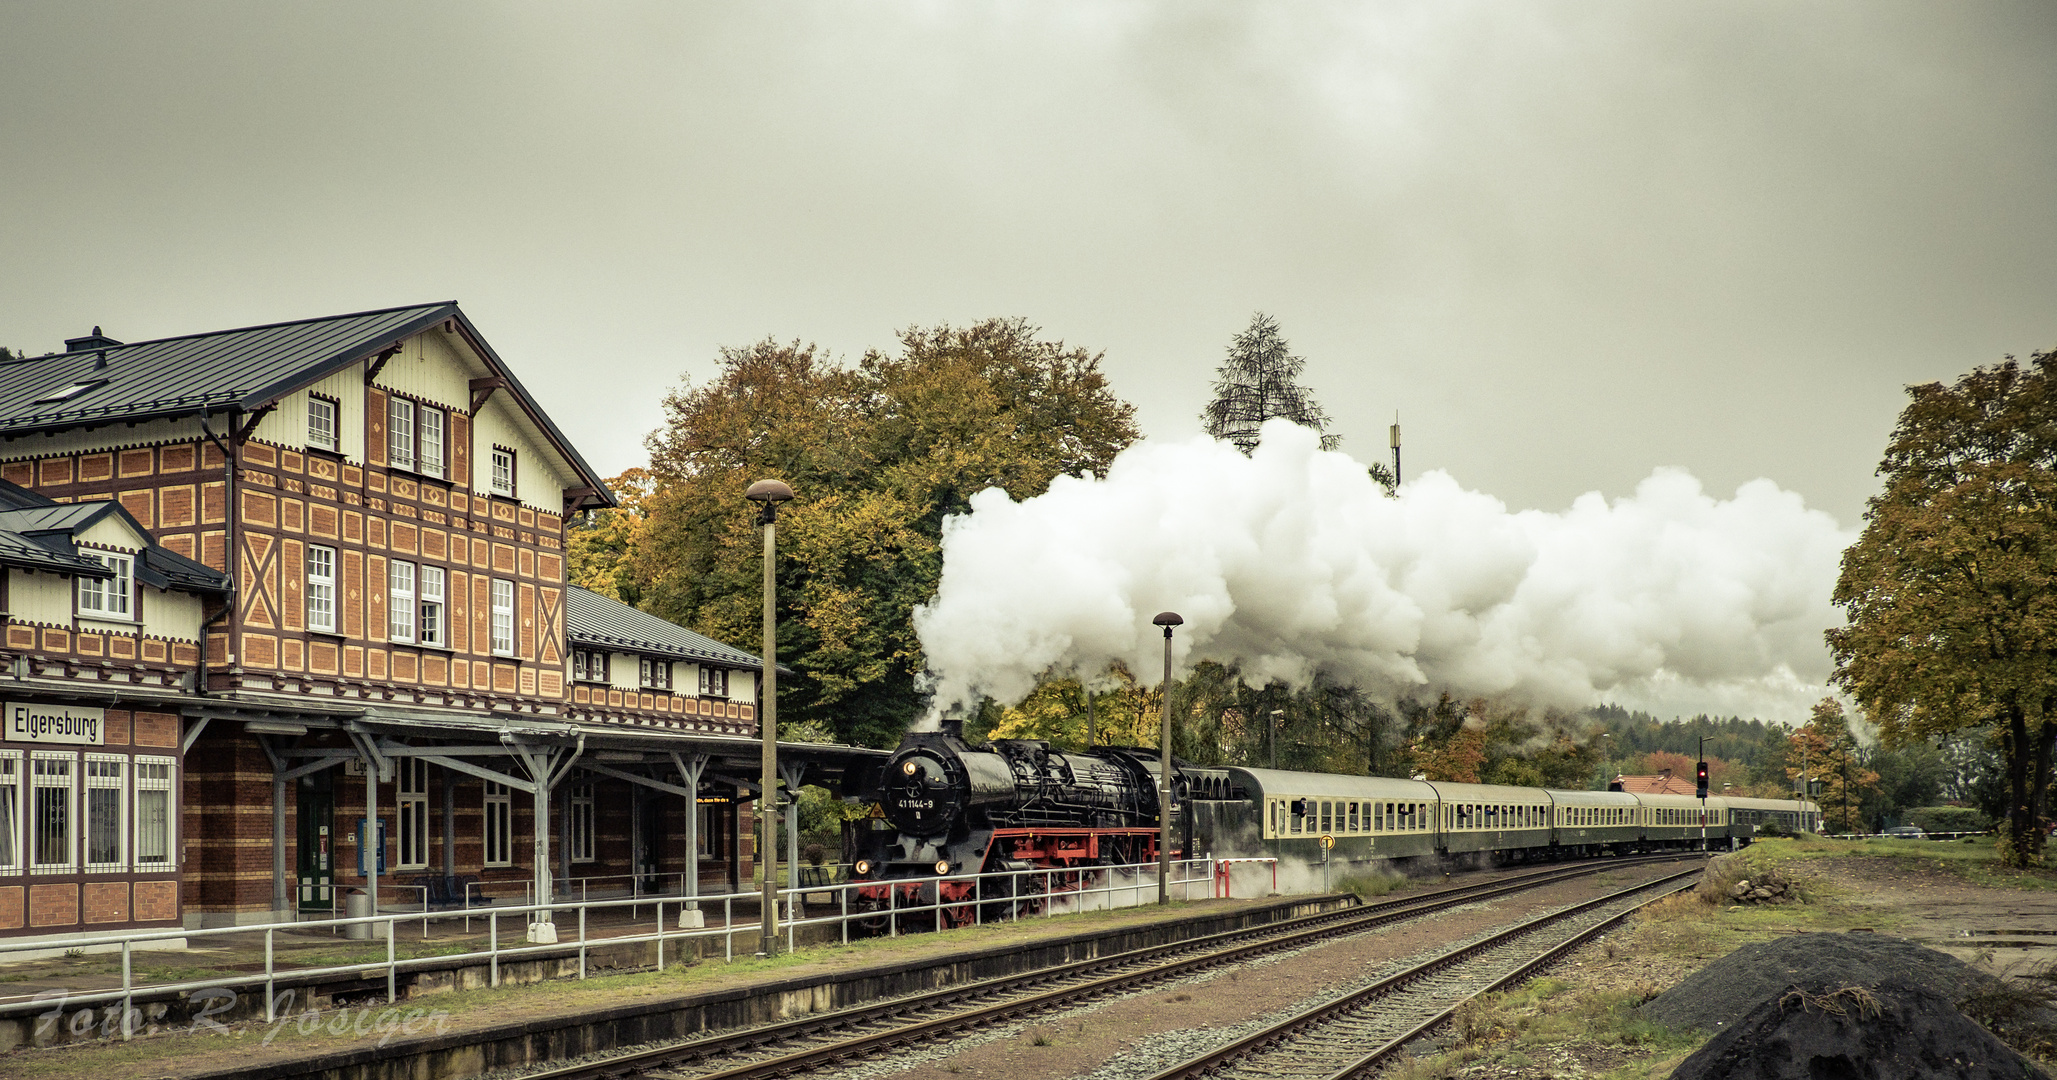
(1536, 1027)
(1975, 859)
(1370, 886)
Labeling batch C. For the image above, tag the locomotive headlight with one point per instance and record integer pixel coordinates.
(863, 866)
(909, 767)
(942, 866)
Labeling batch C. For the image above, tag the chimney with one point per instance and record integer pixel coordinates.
(94, 340)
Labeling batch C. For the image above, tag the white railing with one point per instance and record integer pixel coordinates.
(908, 905)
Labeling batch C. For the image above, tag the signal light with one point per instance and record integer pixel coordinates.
(1703, 780)
(863, 866)
(942, 866)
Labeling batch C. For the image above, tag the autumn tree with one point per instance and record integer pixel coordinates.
(1951, 591)
(1826, 752)
(878, 454)
(601, 547)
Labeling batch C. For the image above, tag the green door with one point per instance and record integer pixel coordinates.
(317, 842)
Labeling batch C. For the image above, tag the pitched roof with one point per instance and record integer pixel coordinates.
(1663, 783)
(244, 369)
(36, 533)
(593, 619)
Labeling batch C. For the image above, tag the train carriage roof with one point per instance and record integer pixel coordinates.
(1591, 798)
(1676, 800)
(1487, 793)
(1279, 783)
(1737, 802)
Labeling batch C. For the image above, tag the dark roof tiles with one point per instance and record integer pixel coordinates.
(593, 619)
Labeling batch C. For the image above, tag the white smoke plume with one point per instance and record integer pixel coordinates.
(1292, 560)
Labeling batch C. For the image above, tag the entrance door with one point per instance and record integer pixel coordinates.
(317, 842)
(649, 842)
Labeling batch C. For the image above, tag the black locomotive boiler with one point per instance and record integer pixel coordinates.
(950, 808)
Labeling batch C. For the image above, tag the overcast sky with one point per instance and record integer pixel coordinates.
(1567, 242)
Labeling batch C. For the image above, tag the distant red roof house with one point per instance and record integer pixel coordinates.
(1661, 784)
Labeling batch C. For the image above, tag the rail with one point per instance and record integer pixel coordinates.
(1015, 892)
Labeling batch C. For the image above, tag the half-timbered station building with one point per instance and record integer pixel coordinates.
(349, 638)
(102, 636)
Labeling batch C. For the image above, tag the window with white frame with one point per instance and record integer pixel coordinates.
(400, 609)
(52, 848)
(153, 813)
(588, 665)
(499, 826)
(321, 423)
(414, 813)
(434, 627)
(503, 471)
(656, 673)
(714, 682)
(106, 814)
(582, 823)
(430, 455)
(400, 433)
(710, 820)
(10, 811)
(503, 617)
(321, 589)
(108, 598)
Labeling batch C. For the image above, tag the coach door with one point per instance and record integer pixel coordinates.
(317, 861)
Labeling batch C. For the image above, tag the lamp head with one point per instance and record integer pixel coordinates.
(769, 491)
(1167, 620)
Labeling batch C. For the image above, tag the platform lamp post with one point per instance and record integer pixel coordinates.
(1167, 620)
(768, 494)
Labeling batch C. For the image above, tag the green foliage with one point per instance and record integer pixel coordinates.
(822, 816)
(878, 455)
(1951, 591)
(1949, 819)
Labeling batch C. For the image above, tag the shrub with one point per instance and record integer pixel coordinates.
(1949, 819)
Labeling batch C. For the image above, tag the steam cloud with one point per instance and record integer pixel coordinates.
(1292, 561)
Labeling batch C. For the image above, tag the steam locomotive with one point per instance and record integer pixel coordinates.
(948, 810)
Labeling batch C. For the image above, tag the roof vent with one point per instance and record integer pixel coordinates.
(94, 340)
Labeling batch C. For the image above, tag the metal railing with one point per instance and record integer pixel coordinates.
(909, 905)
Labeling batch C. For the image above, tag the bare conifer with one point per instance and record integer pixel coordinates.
(1260, 380)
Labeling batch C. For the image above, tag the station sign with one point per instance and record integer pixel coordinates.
(69, 725)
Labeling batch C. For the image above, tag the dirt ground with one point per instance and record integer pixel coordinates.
(2003, 931)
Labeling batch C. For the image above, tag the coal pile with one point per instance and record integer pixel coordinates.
(1837, 1007)
(1892, 1032)
(1715, 997)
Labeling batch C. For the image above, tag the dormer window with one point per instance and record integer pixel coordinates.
(321, 424)
(108, 598)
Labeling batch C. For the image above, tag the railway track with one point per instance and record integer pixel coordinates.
(828, 1040)
(1346, 1038)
